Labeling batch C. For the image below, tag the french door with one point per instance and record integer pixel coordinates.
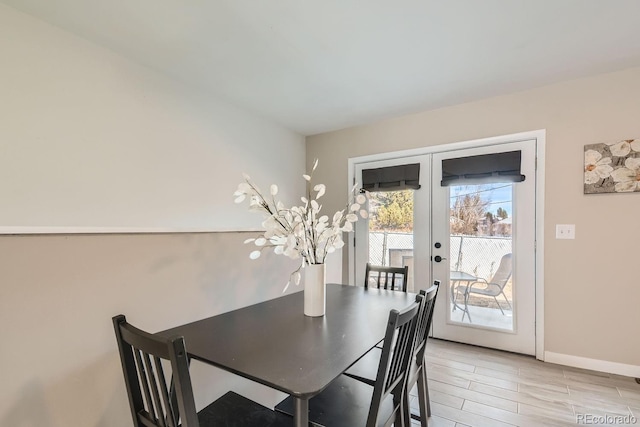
(483, 245)
(477, 240)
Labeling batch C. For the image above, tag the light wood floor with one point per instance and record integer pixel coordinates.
(472, 386)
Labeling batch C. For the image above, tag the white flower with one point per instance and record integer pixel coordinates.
(596, 167)
(320, 188)
(296, 277)
(300, 231)
(627, 178)
(624, 147)
(620, 148)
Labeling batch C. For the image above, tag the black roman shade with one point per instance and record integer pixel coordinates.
(483, 169)
(392, 178)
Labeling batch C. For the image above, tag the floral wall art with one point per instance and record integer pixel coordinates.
(612, 167)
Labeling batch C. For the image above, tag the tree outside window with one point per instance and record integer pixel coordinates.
(391, 211)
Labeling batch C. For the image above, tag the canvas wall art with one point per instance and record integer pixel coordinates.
(612, 167)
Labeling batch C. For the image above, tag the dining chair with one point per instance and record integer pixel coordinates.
(365, 369)
(394, 278)
(156, 402)
(492, 287)
(347, 402)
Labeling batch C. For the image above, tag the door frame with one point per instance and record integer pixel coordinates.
(540, 137)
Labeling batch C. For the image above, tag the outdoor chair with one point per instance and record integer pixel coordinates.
(495, 286)
(347, 402)
(154, 402)
(365, 369)
(394, 278)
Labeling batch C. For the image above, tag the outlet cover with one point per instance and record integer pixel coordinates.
(565, 231)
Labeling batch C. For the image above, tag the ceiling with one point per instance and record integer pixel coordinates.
(320, 65)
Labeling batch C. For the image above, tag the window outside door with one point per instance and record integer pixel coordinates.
(397, 231)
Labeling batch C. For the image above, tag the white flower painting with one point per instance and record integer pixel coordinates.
(612, 167)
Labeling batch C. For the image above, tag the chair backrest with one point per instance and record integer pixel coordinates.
(503, 273)
(424, 318)
(397, 351)
(153, 401)
(394, 278)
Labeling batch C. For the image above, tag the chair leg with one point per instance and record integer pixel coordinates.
(501, 310)
(507, 300)
(423, 396)
(426, 395)
(405, 411)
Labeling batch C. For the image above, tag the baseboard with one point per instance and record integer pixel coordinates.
(593, 364)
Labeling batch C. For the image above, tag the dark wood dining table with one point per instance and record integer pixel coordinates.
(275, 344)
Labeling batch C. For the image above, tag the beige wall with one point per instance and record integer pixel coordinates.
(590, 283)
(59, 358)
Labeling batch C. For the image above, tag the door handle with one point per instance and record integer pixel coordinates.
(438, 258)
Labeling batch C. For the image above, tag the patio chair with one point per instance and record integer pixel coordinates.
(394, 278)
(365, 369)
(347, 402)
(156, 402)
(495, 286)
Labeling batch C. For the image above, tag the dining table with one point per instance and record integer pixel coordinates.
(273, 343)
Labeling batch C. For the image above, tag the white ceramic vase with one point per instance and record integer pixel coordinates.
(315, 290)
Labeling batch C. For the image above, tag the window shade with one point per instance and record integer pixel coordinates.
(483, 169)
(392, 178)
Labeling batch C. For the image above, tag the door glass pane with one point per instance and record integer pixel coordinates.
(391, 230)
(481, 252)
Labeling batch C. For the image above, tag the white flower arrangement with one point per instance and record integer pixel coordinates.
(300, 232)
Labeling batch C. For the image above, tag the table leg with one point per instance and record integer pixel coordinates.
(466, 304)
(453, 297)
(301, 412)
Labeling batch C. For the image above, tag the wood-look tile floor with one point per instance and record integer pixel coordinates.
(473, 386)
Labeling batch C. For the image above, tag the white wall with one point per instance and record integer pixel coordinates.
(90, 139)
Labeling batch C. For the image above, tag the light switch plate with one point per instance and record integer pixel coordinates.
(565, 231)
